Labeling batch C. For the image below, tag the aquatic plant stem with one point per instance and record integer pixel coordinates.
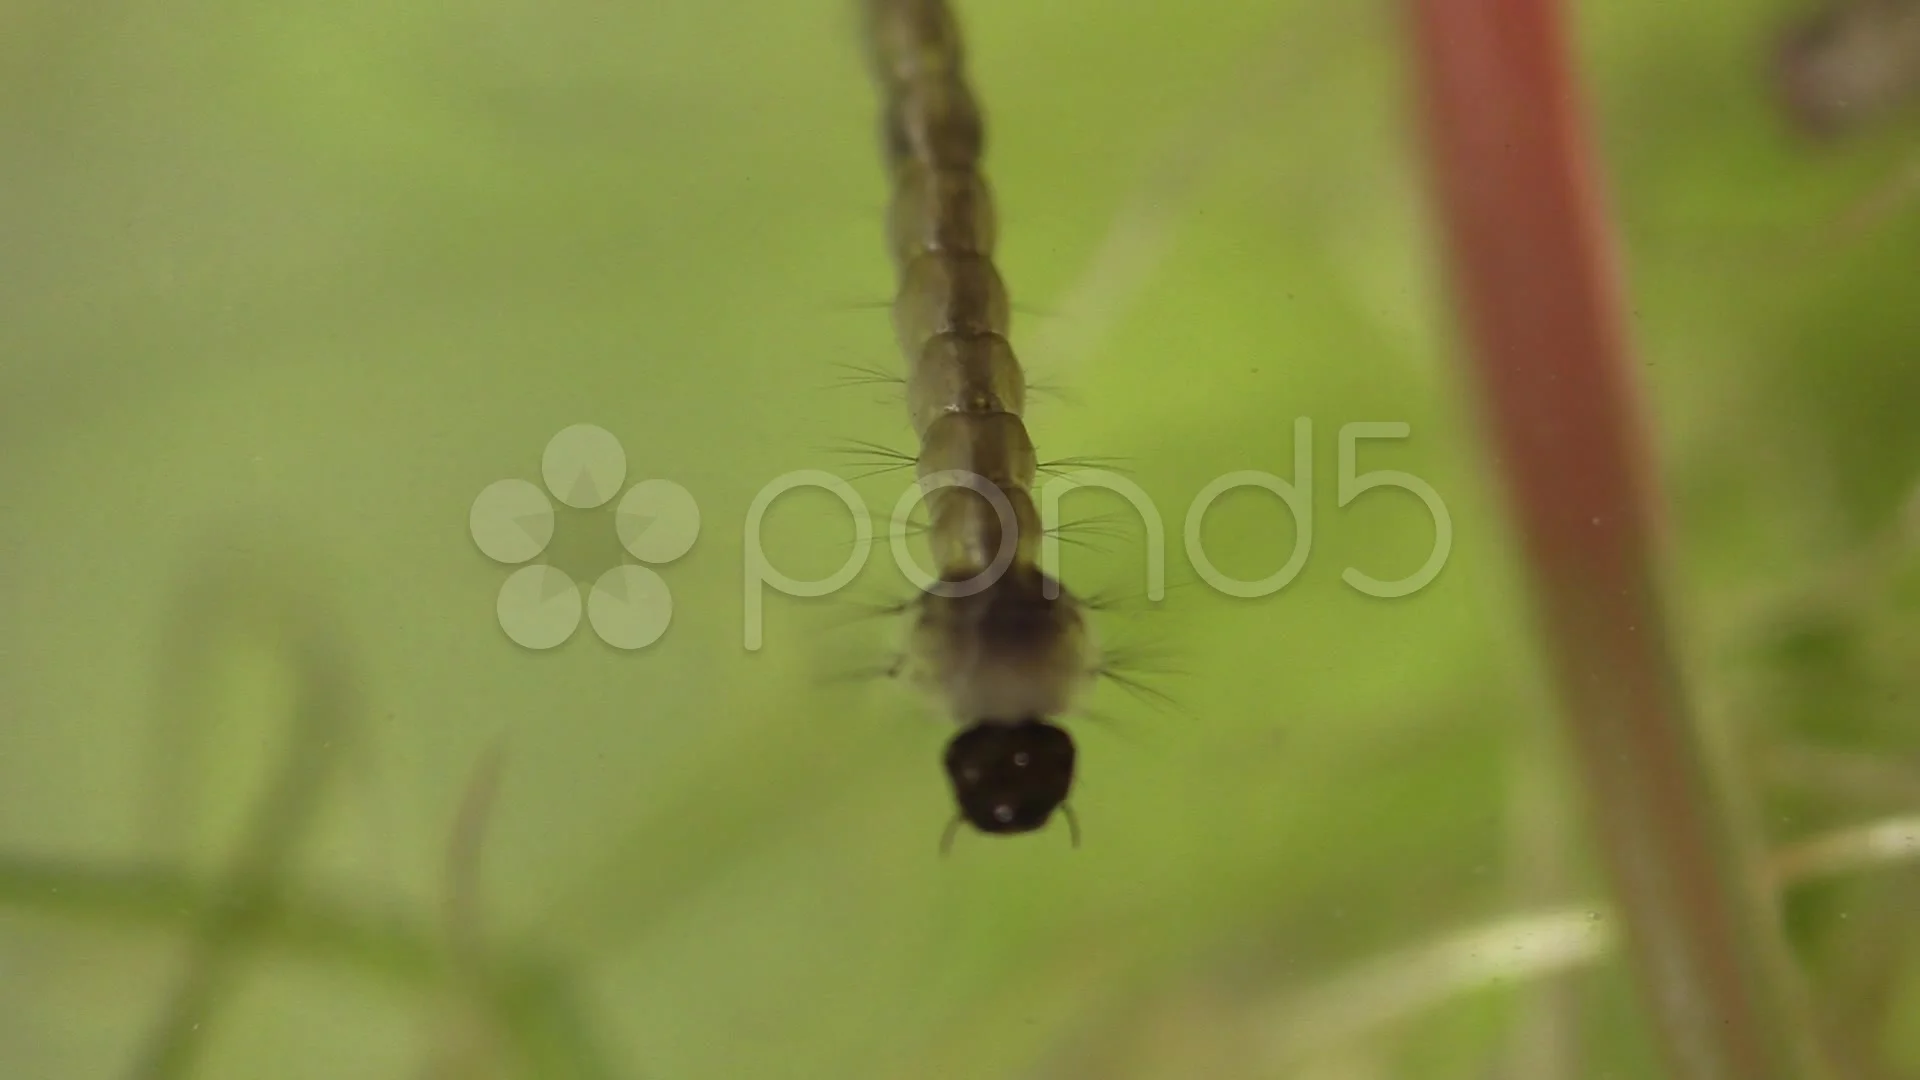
(1519, 949)
(1547, 355)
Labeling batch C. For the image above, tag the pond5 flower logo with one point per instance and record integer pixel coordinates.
(514, 522)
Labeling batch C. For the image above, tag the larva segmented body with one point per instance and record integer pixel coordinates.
(995, 639)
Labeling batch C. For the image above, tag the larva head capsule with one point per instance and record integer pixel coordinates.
(1010, 777)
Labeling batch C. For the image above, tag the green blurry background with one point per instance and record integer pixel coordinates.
(284, 286)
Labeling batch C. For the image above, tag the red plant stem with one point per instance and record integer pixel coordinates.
(1534, 276)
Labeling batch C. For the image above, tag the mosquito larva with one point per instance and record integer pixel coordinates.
(997, 641)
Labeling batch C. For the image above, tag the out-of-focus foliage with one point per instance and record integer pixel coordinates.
(285, 286)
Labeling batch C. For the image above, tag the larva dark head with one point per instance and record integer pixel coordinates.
(1010, 777)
